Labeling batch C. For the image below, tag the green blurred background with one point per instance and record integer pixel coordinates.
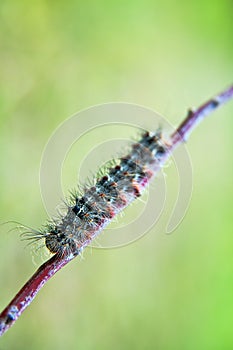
(57, 57)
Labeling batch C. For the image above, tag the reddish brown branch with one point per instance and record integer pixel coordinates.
(28, 292)
(194, 117)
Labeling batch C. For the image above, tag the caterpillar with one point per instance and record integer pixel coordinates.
(88, 214)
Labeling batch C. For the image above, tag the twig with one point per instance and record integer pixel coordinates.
(194, 117)
(28, 292)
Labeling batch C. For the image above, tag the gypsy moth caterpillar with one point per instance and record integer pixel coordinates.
(115, 188)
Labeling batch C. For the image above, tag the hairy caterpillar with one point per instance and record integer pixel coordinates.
(88, 214)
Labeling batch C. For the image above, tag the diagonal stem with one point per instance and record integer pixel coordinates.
(28, 292)
(194, 117)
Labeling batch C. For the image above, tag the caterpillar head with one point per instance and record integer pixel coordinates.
(57, 242)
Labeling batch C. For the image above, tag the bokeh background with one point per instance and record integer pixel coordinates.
(164, 291)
